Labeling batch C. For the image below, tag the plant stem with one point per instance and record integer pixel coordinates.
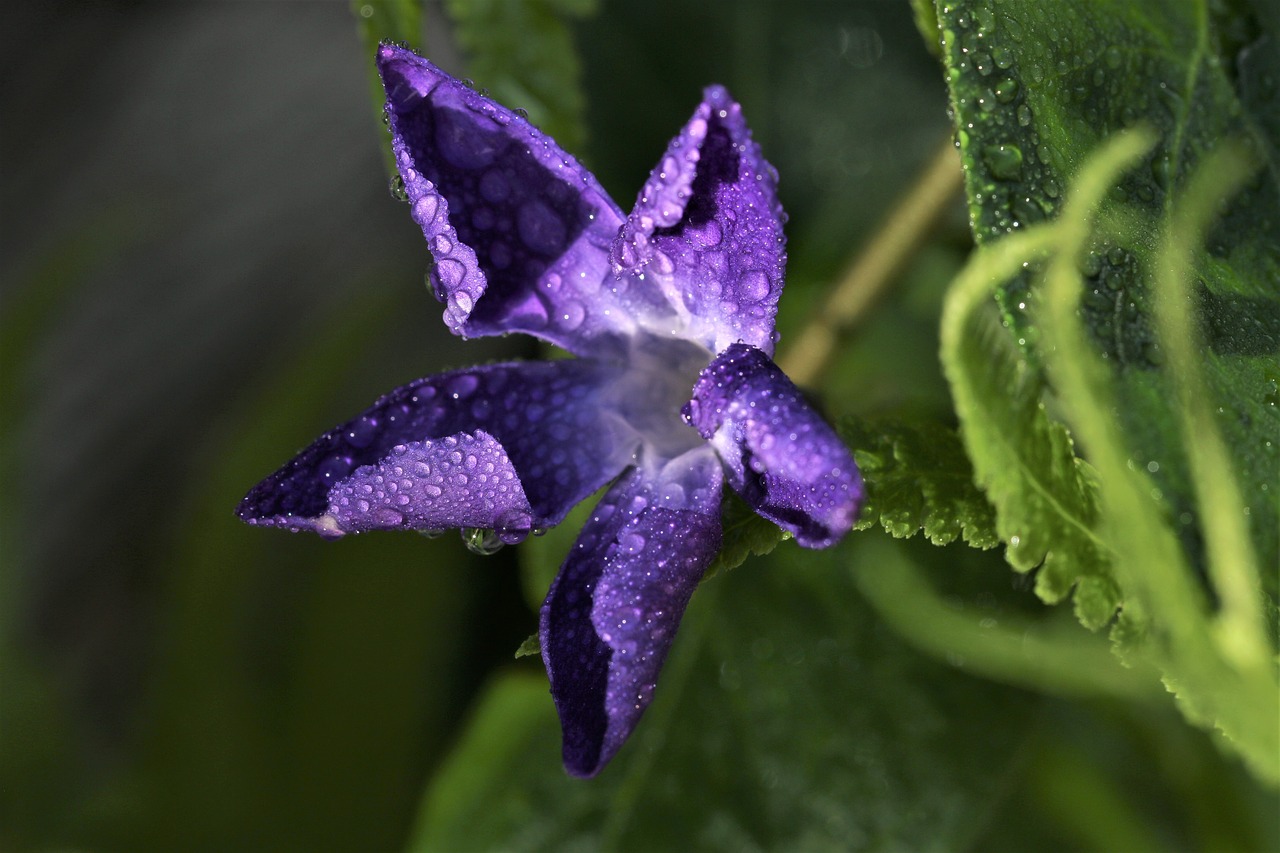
(875, 267)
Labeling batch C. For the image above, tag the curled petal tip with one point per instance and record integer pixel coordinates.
(782, 457)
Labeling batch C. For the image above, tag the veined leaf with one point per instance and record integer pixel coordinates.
(1211, 647)
(522, 52)
(1045, 497)
(1038, 86)
(919, 479)
(745, 534)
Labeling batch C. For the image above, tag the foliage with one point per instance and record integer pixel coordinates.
(919, 480)
(1124, 541)
(522, 52)
(1036, 88)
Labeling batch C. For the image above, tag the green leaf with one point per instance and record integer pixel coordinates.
(927, 23)
(531, 646)
(1045, 497)
(522, 51)
(1211, 645)
(745, 534)
(1036, 87)
(386, 20)
(919, 479)
(786, 718)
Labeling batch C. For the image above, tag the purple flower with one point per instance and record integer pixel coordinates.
(670, 312)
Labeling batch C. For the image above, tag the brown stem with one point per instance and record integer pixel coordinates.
(875, 267)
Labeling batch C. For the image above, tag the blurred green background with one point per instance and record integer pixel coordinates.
(201, 268)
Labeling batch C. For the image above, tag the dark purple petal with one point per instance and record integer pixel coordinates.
(505, 446)
(612, 613)
(782, 457)
(518, 230)
(706, 231)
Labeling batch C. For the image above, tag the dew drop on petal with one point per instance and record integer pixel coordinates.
(753, 286)
(571, 314)
(450, 273)
(494, 186)
(386, 516)
(362, 432)
(462, 386)
(424, 209)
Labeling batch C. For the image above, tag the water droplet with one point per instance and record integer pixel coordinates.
(1006, 90)
(1004, 161)
(540, 228)
(570, 315)
(334, 468)
(1162, 170)
(424, 209)
(982, 63)
(450, 274)
(482, 541)
(514, 526)
(753, 286)
(362, 431)
(461, 386)
(385, 516)
(494, 186)
(396, 188)
(710, 235)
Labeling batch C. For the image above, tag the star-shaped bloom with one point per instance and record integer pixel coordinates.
(670, 312)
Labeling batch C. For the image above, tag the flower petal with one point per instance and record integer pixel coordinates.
(782, 457)
(707, 230)
(518, 230)
(505, 446)
(612, 613)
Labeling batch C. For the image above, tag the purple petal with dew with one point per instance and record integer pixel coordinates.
(504, 446)
(518, 230)
(706, 231)
(785, 461)
(612, 613)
